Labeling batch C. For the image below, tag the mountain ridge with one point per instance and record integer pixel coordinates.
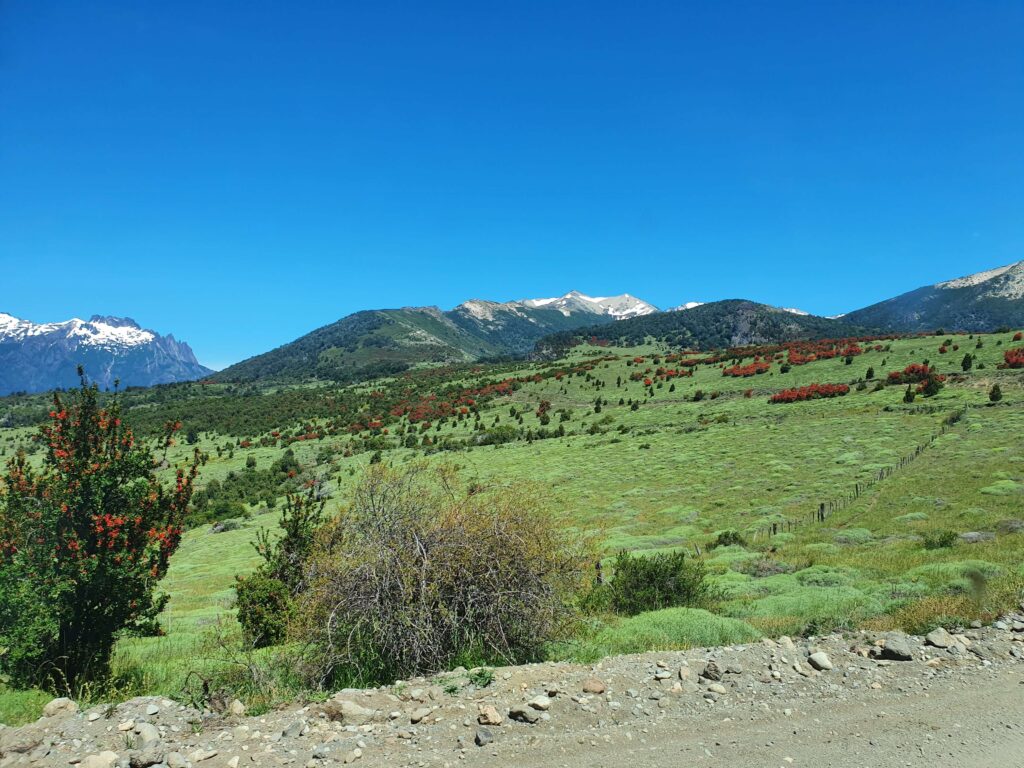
(36, 357)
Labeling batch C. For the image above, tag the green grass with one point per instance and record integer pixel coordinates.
(666, 630)
(675, 473)
(17, 707)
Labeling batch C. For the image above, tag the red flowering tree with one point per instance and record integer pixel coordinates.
(83, 541)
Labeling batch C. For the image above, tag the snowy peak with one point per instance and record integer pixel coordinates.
(41, 356)
(687, 305)
(618, 307)
(99, 331)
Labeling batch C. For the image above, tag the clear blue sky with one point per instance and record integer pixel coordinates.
(239, 173)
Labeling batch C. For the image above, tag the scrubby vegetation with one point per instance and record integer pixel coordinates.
(860, 510)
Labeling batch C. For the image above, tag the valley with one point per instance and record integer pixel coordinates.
(922, 500)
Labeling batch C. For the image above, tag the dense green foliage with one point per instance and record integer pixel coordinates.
(719, 324)
(265, 597)
(83, 541)
(651, 582)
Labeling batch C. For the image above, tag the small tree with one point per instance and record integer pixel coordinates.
(967, 363)
(995, 394)
(83, 542)
(265, 596)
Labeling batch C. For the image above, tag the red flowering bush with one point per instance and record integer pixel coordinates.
(1018, 336)
(1013, 358)
(83, 541)
(752, 369)
(810, 392)
(912, 374)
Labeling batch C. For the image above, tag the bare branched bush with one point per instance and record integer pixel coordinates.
(421, 572)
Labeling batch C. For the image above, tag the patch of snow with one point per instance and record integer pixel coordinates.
(794, 311)
(618, 307)
(687, 305)
(105, 332)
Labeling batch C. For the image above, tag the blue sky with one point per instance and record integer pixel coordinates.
(239, 173)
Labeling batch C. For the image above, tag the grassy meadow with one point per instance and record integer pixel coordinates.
(675, 471)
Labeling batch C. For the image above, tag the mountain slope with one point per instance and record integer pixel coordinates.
(729, 323)
(983, 301)
(385, 341)
(39, 356)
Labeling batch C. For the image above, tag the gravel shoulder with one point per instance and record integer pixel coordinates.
(843, 701)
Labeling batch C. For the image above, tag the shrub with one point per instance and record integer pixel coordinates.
(810, 392)
(995, 394)
(660, 580)
(729, 538)
(418, 574)
(265, 596)
(940, 539)
(83, 542)
(264, 604)
(1014, 358)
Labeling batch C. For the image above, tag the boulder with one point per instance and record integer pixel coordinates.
(896, 648)
(347, 712)
(59, 707)
(939, 638)
(820, 661)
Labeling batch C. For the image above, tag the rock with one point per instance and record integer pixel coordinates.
(15, 741)
(489, 716)
(200, 755)
(149, 735)
(896, 648)
(820, 661)
(593, 685)
(175, 760)
(294, 729)
(419, 714)
(711, 671)
(483, 737)
(348, 712)
(102, 760)
(786, 644)
(940, 638)
(236, 708)
(542, 702)
(152, 709)
(145, 758)
(523, 714)
(717, 688)
(60, 707)
(976, 537)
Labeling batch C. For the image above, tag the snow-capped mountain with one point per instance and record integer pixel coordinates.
(362, 343)
(40, 356)
(982, 301)
(687, 305)
(619, 307)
